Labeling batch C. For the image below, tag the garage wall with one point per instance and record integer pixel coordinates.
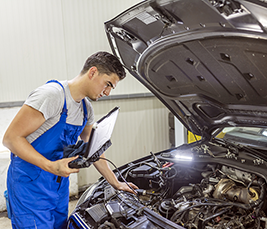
(51, 39)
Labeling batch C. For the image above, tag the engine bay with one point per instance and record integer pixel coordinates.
(178, 194)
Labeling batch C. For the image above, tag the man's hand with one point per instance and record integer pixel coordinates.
(124, 187)
(61, 167)
(103, 167)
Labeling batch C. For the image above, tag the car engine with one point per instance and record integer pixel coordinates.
(177, 194)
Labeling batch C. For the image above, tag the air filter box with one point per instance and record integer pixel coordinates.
(145, 176)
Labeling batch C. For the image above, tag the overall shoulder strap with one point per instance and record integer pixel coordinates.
(84, 111)
(64, 109)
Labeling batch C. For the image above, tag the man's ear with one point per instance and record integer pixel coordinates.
(91, 72)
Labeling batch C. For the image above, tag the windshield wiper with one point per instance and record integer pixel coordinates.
(235, 148)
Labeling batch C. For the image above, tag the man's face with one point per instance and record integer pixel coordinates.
(102, 85)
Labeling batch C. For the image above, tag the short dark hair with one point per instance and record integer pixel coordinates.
(106, 63)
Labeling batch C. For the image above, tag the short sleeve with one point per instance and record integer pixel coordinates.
(48, 99)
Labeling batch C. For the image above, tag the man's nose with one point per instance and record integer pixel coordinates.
(107, 91)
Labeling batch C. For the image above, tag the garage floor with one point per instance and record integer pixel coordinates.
(5, 221)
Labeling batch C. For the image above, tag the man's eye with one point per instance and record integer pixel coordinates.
(109, 84)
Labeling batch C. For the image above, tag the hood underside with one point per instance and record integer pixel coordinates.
(205, 60)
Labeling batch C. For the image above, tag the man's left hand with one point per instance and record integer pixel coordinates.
(124, 187)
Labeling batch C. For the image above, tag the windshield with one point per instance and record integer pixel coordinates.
(253, 136)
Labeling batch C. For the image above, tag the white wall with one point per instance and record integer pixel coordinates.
(51, 39)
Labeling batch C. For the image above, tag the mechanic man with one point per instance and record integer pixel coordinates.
(53, 116)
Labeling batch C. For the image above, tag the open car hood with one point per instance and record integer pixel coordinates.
(206, 60)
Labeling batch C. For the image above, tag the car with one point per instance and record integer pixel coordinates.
(206, 61)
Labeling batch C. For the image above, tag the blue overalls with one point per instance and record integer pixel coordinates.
(36, 199)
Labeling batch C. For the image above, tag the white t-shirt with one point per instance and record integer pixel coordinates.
(49, 100)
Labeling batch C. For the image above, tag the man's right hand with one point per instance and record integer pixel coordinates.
(61, 167)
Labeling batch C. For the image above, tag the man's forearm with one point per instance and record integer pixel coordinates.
(23, 149)
(103, 167)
